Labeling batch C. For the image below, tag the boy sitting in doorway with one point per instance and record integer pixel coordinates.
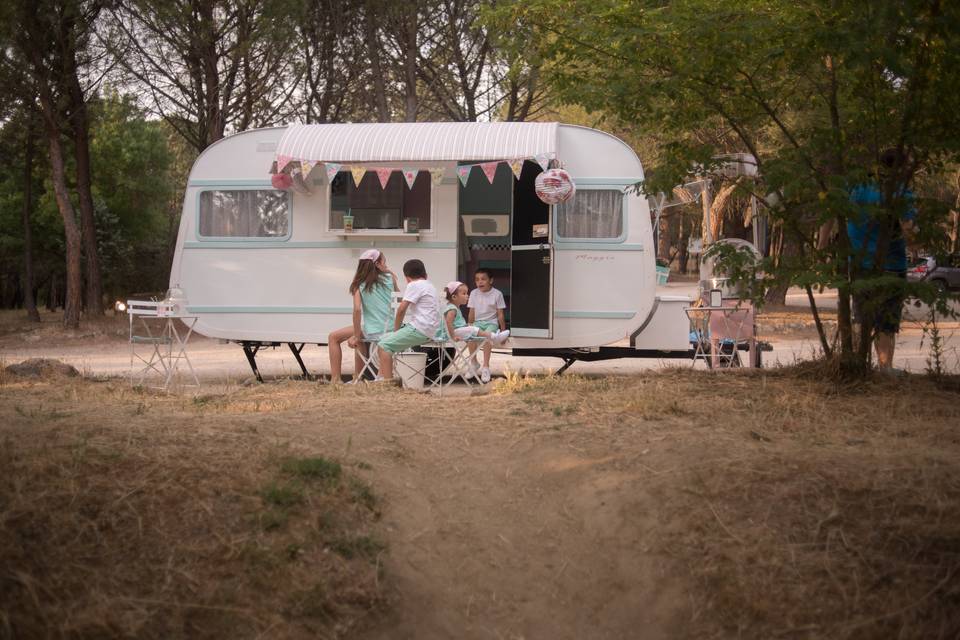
(486, 307)
(420, 299)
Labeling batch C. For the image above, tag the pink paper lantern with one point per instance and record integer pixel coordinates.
(554, 186)
(281, 181)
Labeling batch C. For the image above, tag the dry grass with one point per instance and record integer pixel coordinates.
(124, 513)
(17, 330)
(787, 505)
(796, 507)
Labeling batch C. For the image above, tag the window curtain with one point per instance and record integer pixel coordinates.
(591, 213)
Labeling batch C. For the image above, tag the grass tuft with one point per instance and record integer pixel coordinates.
(282, 495)
(316, 468)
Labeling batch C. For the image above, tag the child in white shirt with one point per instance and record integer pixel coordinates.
(420, 300)
(456, 327)
(486, 307)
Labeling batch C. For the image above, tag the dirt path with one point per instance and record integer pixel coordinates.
(500, 535)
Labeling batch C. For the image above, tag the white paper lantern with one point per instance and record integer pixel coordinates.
(554, 186)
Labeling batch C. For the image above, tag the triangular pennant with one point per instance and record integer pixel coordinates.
(410, 175)
(332, 170)
(357, 173)
(384, 175)
(543, 160)
(306, 166)
(463, 172)
(489, 170)
(282, 162)
(436, 175)
(516, 166)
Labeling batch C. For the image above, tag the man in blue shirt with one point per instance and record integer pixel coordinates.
(884, 304)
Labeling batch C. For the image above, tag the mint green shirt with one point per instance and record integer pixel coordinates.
(458, 320)
(375, 306)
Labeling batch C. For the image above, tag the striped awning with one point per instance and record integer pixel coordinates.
(417, 141)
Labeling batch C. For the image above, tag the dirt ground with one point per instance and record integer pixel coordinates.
(101, 349)
(677, 504)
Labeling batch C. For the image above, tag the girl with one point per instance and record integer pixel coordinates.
(454, 326)
(372, 288)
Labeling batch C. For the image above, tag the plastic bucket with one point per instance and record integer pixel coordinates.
(662, 274)
(410, 367)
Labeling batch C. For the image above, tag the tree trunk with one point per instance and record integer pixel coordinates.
(371, 27)
(72, 300)
(88, 226)
(410, 62)
(28, 297)
(663, 237)
(682, 255)
(779, 249)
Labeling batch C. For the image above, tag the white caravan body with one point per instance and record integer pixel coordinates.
(583, 279)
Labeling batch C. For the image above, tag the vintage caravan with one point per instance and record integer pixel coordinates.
(265, 266)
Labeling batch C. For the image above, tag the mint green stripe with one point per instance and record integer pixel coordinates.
(226, 309)
(595, 246)
(346, 244)
(621, 315)
(230, 183)
(616, 182)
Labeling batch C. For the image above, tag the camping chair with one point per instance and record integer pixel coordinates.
(718, 334)
(732, 330)
(459, 363)
(370, 362)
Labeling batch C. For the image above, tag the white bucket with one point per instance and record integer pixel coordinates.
(410, 366)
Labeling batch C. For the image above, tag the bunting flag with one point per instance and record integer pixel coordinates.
(306, 166)
(384, 175)
(282, 162)
(436, 175)
(542, 160)
(332, 170)
(357, 173)
(410, 175)
(463, 172)
(516, 166)
(489, 170)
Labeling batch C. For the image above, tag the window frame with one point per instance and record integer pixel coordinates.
(251, 187)
(431, 201)
(624, 227)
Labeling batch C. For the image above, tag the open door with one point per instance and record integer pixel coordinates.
(531, 260)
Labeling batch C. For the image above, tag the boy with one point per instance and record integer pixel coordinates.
(420, 298)
(486, 307)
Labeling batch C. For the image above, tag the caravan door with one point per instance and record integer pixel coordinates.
(531, 257)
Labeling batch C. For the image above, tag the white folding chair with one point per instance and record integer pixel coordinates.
(370, 361)
(148, 329)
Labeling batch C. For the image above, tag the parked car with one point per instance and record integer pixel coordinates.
(943, 272)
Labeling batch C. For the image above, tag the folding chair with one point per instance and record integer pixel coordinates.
(719, 334)
(142, 314)
(458, 364)
(371, 360)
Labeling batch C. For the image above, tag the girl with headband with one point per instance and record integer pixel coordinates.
(372, 289)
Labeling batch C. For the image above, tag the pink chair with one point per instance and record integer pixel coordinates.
(729, 328)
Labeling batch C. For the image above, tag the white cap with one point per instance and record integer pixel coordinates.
(370, 254)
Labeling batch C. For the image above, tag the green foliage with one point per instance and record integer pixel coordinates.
(132, 191)
(815, 91)
(138, 169)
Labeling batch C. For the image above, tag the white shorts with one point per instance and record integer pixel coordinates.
(463, 333)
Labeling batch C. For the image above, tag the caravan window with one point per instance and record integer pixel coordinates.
(591, 213)
(246, 213)
(376, 207)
